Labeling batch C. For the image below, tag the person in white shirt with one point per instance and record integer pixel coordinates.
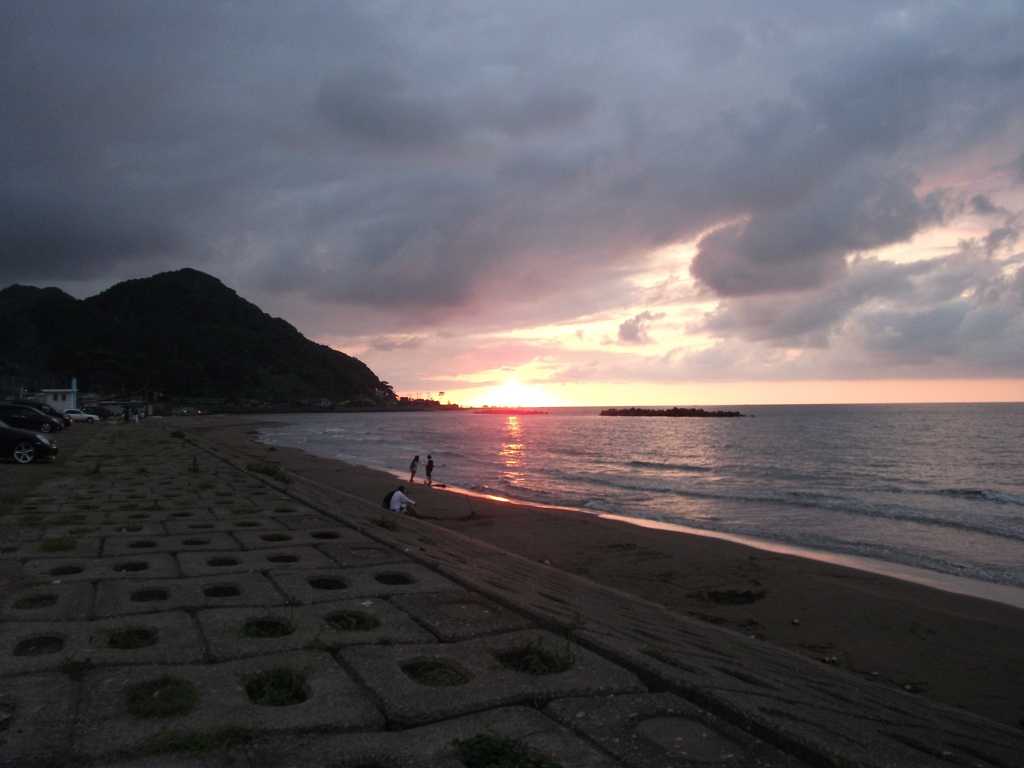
(403, 504)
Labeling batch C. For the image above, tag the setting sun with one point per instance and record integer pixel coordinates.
(514, 394)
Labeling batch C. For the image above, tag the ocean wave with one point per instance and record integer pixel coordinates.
(981, 494)
(1009, 576)
(601, 506)
(670, 467)
(1003, 527)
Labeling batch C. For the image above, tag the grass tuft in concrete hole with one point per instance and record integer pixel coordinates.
(488, 750)
(33, 602)
(270, 470)
(352, 621)
(436, 674)
(266, 626)
(131, 638)
(62, 544)
(166, 696)
(69, 518)
(387, 523)
(76, 670)
(277, 687)
(535, 659)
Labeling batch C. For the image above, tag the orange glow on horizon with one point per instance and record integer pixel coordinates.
(515, 394)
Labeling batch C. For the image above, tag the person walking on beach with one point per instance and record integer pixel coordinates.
(429, 469)
(402, 504)
(413, 467)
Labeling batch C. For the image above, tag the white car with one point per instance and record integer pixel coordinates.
(76, 415)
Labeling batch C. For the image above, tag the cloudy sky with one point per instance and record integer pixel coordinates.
(632, 202)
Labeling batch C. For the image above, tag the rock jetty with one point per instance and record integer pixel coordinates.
(688, 412)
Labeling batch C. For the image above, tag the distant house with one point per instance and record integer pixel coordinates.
(61, 399)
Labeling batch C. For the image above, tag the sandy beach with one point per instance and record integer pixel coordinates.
(960, 650)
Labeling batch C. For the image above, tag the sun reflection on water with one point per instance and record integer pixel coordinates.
(513, 449)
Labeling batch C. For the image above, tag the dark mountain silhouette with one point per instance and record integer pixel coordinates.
(181, 333)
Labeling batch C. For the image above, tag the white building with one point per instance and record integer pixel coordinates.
(61, 399)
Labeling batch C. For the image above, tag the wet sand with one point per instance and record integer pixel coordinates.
(960, 650)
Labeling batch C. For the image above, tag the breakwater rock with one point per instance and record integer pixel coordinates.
(685, 412)
(511, 411)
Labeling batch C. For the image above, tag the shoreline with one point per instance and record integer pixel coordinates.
(959, 649)
(945, 582)
(948, 582)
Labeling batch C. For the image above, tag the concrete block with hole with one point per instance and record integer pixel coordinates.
(157, 638)
(360, 555)
(122, 597)
(459, 615)
(432, 746)
(50, 602)
(306, 537)
(289, 558)
(61, 548)
(372, 581)
(199, 541)
(106, 528)
(664, 730)
(79, 569)
(300, 691)
(288, 515)
(208, 523)
(421, 684)
(233, 633)
(303, 518)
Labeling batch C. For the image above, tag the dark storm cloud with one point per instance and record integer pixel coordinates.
(426, 157)
(805, 245)
(635, 330)
(374, 106)
(947, 312)
(808, 321)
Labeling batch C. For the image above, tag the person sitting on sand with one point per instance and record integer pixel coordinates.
(413, 466)
(403, 504)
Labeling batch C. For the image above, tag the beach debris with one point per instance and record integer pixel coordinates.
(729, 596)
(796, 622)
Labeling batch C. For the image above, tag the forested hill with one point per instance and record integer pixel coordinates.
(182, 333)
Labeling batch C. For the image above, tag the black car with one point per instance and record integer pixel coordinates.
(49, 410)
(24, 446)
(24, 417)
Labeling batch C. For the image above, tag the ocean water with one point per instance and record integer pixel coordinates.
(936, 487)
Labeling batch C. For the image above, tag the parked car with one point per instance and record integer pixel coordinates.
(49, 410)
(24, 417)
(99, 412)
(23, 446)
(76, 415)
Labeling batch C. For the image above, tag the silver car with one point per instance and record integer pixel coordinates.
(76, 415)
